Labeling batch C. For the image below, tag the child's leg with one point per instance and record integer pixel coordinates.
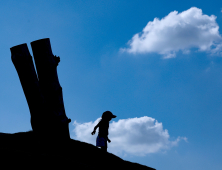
(103, 148)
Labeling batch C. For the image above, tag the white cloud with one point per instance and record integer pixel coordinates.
(133, 136)
(178, 31)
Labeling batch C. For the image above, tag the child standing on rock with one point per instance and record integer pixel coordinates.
(102, 138)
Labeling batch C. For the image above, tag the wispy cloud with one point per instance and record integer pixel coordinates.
(133, 136)
(178, 31)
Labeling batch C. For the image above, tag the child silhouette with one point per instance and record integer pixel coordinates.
(102, 138)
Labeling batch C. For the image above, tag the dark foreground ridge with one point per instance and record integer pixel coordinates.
(25, 150)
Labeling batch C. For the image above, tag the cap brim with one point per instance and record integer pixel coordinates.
(113, 116)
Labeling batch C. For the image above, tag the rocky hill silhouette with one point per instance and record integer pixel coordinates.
(27, 151)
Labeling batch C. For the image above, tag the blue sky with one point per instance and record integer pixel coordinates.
(164, 87)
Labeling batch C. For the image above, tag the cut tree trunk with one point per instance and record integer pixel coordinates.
(23, 63)
(46, 66)
(43, 92)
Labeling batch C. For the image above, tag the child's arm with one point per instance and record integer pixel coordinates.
(94, 131)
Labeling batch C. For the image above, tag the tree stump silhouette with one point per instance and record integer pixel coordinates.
(42, 90)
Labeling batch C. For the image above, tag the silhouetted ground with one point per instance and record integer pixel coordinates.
(24, 150)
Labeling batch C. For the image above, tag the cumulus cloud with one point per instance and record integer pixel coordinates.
(178, 31)
(133, 136)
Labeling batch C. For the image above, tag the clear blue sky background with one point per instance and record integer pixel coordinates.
(184, 93)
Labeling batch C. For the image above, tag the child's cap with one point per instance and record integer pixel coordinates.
(108, 114)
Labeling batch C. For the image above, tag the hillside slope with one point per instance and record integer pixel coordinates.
(25, 150)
